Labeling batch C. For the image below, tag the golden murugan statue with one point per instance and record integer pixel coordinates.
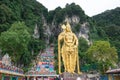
(68, 49)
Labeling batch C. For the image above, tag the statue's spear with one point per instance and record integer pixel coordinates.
(78, 62)
(59, 57)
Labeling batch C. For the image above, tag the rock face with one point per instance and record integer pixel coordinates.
(74, 19)
(54, 29)
(36, 32)
(84, 30)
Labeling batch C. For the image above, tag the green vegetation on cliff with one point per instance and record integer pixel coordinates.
(108, 26)
(18, 19)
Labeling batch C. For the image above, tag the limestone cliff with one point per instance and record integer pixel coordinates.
(54, 29)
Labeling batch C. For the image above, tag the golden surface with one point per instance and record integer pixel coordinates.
(68, 50)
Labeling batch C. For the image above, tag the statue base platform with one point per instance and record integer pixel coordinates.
(71, 76)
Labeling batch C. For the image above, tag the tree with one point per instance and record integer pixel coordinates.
(82, 48)
(102, 53)
(15, 41)
(6, 16)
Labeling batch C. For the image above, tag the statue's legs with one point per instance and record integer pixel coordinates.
(68, 62)
(64, 58)
(73, 62)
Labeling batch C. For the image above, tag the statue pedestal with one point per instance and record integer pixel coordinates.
(70, 76)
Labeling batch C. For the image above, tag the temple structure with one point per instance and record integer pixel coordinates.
(8, 71)
(113, 74)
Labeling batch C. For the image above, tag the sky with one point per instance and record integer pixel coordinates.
(91, 7)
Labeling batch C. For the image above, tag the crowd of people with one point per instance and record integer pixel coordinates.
(10, 68)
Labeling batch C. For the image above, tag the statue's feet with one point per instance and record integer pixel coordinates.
(79, 72)
(60, 73)
(73, 72)
(65, 70)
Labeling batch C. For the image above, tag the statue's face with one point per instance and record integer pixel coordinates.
(68, 29)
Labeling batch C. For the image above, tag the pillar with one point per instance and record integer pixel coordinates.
(3, 75)
(27, 77)
(109, 76)
(0, 75)
(34, 78)
(10, 77)
(16, 77)
(112, 77)
(19, 78)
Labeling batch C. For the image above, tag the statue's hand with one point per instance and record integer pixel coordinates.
(75, 46)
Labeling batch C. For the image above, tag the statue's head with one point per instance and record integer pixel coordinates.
(68, 27)
(63, 27)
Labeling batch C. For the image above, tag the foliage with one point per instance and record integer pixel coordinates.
(70, 10)
(102, 53)
(35, 46)
(82, 47)
(108, 26)
(77, 28)
(56, 55)
(6, 15)
(104, 26)
(31, 13)
(74, 9)
(108, 17)
(15, 41)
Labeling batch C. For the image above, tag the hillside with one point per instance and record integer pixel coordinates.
(26, 14)
(108, 17)
(27, 28)
(108, 26)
